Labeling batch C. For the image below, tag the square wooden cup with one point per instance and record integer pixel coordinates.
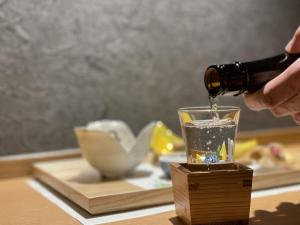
(218, 195)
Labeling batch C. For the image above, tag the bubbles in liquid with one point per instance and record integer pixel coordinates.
(203, 148)
(210, 141)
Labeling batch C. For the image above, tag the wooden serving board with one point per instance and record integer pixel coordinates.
(21, 164)
(79, 182)
(289, 138)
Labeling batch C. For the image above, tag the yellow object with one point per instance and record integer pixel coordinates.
(243, 147)
(163, 139)
(198, 158)
(186, 117)
(223, 153)
(240, 149)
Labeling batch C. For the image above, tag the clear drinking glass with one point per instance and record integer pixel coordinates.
(209, 135)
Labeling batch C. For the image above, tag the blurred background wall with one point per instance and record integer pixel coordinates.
(64, 63)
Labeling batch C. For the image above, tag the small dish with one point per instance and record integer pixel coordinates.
(165, 160)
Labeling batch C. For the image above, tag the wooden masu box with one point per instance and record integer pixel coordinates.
(220, 195)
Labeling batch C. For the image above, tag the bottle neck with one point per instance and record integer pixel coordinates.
(233, 79)
(278, 62)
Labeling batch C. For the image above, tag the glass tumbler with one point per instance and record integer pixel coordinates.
(209, 135)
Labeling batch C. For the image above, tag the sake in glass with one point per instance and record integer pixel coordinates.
(209, 134)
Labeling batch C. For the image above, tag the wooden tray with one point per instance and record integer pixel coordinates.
(21, 164)
(78, 181)
(289, 138)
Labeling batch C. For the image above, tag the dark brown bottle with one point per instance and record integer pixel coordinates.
(238, 77)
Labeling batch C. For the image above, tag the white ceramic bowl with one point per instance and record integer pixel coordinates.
(104, 153)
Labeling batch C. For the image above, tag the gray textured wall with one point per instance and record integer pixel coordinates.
(66, 62)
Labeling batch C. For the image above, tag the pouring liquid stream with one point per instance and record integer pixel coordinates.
(213, 108)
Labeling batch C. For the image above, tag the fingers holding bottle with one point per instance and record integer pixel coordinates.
(280, 95)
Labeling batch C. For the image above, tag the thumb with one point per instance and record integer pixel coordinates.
(294, 44)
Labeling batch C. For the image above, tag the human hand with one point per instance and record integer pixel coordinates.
(282, 94)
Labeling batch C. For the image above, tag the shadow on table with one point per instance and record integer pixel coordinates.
(286, 214)
(94, 177)
(176, 221)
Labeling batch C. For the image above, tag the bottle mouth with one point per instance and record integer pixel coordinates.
(212, 80)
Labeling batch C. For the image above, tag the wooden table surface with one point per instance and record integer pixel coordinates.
(283, 209)
(20, 204)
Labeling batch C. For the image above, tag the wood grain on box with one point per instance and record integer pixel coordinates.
(219, 195)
